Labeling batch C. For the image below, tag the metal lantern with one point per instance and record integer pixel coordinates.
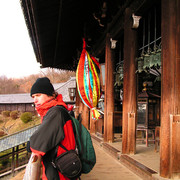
(119, 74)
(152, 59)
(148, 110)
(146, 61)
(157, 58)
(140, 64)
(118, 80)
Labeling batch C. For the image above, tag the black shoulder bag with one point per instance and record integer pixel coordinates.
(68, 163)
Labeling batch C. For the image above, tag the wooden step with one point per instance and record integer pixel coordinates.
(94, 137)
(113, 151)
(138, 168)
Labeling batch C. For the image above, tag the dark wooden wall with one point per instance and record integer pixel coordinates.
(18, 107)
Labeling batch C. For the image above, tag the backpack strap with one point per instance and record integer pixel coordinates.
(56, 148)
(62, 147)
(80, 134)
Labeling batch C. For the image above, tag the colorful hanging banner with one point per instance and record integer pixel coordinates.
(87, 79)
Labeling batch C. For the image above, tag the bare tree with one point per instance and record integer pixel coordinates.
(23, 85)
(5, 128)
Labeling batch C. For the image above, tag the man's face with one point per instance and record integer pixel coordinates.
(40, 98)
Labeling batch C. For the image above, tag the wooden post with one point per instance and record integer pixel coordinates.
(80, 109)
(17, 156)
(170, 82)
(12, 162)
(131, 133)
(85, 116)
(92, 123)
(129, 83)
(109, 92)
(76, 110)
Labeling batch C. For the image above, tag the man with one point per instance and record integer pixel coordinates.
(55, 128)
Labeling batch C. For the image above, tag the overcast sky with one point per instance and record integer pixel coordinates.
(17, 58)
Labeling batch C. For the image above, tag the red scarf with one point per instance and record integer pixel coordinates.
(43, 108)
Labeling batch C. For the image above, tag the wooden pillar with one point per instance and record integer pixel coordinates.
(170, 83)
(109, 92)
(129, 85)
(92, 123)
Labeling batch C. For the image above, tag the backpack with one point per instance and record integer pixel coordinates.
(85, 146)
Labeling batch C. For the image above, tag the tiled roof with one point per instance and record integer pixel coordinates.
(57, 85)
(16, 139)
(15, 98)
(61, 88)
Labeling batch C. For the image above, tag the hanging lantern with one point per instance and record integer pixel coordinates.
(140, 64)
(157, 58)
(152, 59)
(88, 83)
(116, 79)
(146, 61)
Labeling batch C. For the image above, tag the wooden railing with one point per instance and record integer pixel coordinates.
(15, 161)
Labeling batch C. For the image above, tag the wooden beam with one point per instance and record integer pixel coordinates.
(116, 26)
(30, 5)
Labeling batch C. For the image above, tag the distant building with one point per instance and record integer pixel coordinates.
(24, 102)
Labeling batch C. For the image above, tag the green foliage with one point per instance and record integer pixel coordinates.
(26, 117)
(5, 113)
(14, 115)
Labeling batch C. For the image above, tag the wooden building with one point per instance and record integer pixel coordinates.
(20, 102)
(138, 42)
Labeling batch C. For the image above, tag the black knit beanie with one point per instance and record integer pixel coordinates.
(43, 86)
